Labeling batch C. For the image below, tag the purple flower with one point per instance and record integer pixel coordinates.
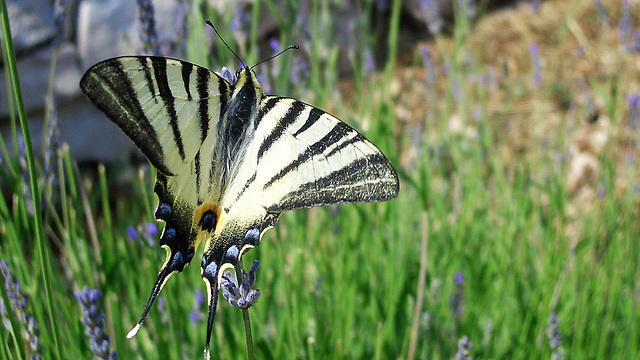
(5, 316)
(226, 74)
(369, 61)
(162, 307)
(430, 13)
(24, 171)
(457, 300)
(59, 17)
(554, 333)
(458, 279)
(429, 67)
(624, 26)
(148, 34)
(382, 4)
(240, 25)
(634, 113)
(602, 14)
(464, 348)
(51, 150)
(300, 71)
(179, 45)
(468, 8)
(241, 295)
(535, 66)
(132, 233)
(196, 313)
(93, 319)
(275, 45)
(152, 230)
(19, 303)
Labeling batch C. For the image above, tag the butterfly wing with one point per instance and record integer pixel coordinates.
(170, 109)
(302, 157)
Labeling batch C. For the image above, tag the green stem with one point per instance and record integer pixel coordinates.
(13, 71)
(245, 318)
(247, 334)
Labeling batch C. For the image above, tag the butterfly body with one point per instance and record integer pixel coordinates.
(229, 158)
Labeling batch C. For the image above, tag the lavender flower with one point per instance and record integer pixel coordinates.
(178, 44)
(602, 14)
(634, 113)
(132, 233)
(369, 61)
(382, 4)
(624, 26)
(535, 5)
(240, 25)
(148, 230)
(226, 74)
(59, 18)
(553, 332)
(430, 13)
(150, 233)
(241, 295)
(464, 347)
(5, 316)
(162, 307)
(635, 45)
(148, 34)
(457, 301)
(429, 67)
(300, 71)
(24, 171)
(51, 150)
(19, 306)
(93, 319)
(468, 8)
(196, 313)
(535, 66)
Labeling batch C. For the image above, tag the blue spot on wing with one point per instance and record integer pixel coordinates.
(211, 270)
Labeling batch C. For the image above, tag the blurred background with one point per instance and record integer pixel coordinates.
(514, 127)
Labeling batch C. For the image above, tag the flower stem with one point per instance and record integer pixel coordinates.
(245, 319)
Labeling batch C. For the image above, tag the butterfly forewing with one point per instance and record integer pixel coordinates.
(167, 107)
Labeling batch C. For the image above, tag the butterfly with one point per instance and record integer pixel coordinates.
(230, 159)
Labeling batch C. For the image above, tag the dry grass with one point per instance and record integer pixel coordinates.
(578, 114)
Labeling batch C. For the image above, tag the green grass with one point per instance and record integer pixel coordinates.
(341, 282)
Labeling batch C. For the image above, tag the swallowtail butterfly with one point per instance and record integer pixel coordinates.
(229, 158)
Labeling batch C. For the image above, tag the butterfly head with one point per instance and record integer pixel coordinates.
(246, 77)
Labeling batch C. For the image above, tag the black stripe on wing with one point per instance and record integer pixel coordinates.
(160, 74)
(337, 133)
(289, 118)
(111, 90)
(366, 179)
(202, 77)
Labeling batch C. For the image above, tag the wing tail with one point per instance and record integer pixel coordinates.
(174, 263)
(210, 273)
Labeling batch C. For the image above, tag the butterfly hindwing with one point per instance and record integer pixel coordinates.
(170, 109)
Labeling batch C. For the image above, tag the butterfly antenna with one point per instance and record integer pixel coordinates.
(225, 43)
(276, 55)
